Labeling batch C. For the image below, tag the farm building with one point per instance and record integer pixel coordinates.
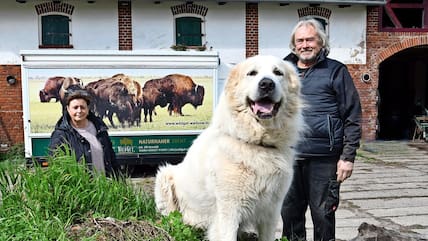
(384, 43)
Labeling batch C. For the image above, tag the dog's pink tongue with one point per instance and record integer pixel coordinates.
(260, 107)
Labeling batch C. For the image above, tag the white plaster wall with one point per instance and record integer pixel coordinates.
(153, 28)
(95, 27)
(18, 30)
(275, 25)
(347, 28)
(348, 34)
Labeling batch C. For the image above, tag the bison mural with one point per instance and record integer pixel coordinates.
(111, 97)
(135, 90)
(185, 92)
(68, 82)
(153, 95)
(125, 98)
(176, 90)
(53, 85)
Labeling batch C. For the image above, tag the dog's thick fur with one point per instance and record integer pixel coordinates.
(238, 170)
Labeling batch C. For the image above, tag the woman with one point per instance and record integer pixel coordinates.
(85, 133)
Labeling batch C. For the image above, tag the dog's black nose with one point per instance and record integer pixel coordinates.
(266, 85)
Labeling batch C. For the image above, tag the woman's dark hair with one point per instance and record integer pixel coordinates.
(77, 93)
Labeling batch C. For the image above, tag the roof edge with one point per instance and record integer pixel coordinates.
(339, 2)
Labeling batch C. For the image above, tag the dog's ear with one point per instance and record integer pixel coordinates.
(234, 74)
(293, 77)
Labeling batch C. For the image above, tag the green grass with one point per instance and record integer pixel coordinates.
(42, 203)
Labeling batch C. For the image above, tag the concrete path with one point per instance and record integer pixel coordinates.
(388, 188)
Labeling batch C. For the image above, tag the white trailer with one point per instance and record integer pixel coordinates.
(166, 139)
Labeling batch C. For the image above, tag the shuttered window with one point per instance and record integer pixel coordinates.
(55, 31)
(188, 31)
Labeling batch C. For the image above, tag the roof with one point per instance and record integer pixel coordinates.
(339, 2)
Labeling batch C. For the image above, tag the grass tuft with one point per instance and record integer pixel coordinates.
(43, 203)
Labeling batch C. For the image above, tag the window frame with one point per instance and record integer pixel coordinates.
(41, 44)
(203, 30)
(388, 9)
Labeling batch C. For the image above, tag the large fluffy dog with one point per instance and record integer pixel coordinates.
(238, 170)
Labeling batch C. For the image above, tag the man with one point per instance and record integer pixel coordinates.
(327, 151)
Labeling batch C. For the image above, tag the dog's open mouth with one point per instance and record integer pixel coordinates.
(264, 108)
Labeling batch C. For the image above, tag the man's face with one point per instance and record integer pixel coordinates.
(307, 44)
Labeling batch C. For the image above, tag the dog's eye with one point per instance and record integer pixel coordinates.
(278, 72)
(252, 73)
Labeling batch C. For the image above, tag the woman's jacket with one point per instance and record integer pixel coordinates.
(64, 133)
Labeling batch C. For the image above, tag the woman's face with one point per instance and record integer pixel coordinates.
(78, 110)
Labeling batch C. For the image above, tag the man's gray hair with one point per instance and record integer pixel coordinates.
(323, 39)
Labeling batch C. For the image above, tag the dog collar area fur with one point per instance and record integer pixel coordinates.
(266, 145)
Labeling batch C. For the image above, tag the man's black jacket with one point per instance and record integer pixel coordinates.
(333, 110)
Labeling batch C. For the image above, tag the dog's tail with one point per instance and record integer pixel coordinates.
(165, 193)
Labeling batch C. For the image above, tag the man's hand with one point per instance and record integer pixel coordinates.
(344, 170)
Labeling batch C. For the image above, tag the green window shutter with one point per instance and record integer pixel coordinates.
(188, 31)
(55, 30)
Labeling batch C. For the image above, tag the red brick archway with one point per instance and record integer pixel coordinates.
(404, 44)
(380, 46)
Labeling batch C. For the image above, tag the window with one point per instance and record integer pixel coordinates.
(189, 20)
(55, 31)
(404, 15)
(188, 31)
(320, 14)
(323, 23)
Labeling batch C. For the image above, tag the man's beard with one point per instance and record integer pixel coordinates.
(305, 59)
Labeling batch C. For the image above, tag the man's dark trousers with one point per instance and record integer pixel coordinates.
(314, 184)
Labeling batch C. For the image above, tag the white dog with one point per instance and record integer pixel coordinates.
(237, 172)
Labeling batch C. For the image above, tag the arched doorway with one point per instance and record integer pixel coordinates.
(403, 91)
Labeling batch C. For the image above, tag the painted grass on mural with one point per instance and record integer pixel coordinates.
(43, 116)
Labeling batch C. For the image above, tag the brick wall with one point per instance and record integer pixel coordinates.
(380, 46)
(251, 29)
(11, 122)
(125, 25)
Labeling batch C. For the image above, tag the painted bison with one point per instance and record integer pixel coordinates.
(135, 90)
(66, 84)
(111, 97)
(52, 88)
(154, 94)
(176, 89)
(185, 92)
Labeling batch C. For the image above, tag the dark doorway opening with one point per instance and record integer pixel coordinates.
(403, 88)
